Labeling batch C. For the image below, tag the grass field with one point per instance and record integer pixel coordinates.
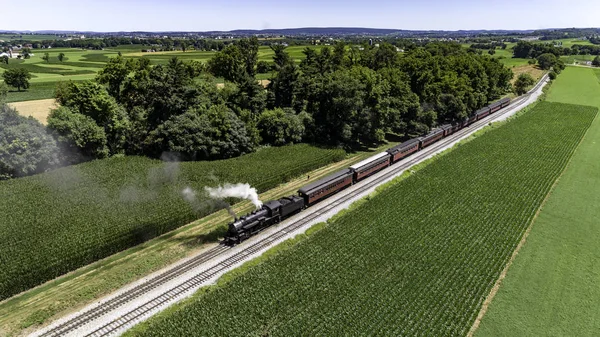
(79, 214)
(551, 289)
(410, 260)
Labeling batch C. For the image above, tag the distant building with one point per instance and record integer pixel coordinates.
(370, 42)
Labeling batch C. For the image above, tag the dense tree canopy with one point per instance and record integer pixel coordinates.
(279, 127)
(342, 95)
(25, 146)
(547, 61)
(203, 133)
(78, 136)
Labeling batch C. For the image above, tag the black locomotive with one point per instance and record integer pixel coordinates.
(276, 210)
(270, 213)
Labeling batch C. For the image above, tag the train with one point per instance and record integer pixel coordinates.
(275, 211)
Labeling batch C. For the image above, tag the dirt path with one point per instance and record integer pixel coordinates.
(37, 109)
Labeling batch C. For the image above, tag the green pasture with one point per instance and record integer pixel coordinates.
(551, 289)
(569, 42)
(572, 59)
(513, 62)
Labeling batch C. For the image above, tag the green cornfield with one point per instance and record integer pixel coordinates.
(55, 222)
(418, 258)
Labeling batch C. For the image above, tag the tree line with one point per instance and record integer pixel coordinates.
(344, 96)
(525, 49)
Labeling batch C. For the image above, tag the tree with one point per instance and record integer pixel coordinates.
(278, 127)
(522, 49)
(78, 136)
(596, 61)
(46, 57)
(203, 133)
(339, 59)
(547, 61)
(263, 67)
(26, 52)
(553, 75)
(228, 63)
(280, 58)
(164, 90)
(25, 146)
(61, 57)
(385, 56)
(87, 98)
(249, 51)
(92, 100)
(113, 74)
(17, 77)
(492, 51)
(283, 86)
(559, 66)
(523, 82)
(4, 59)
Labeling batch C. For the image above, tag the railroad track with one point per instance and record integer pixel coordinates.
(194, 282)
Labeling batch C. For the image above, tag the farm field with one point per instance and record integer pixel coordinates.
(79, 214)
(38, 109)
(418, 258)
(551, 289)
(25, 312)
(84, 64)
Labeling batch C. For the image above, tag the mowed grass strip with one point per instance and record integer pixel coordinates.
(56, 222)
(418, 258)
(551, 288)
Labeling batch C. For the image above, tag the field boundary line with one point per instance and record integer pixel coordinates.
(488, 300)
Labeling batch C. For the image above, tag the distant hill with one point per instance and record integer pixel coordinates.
(328, 31)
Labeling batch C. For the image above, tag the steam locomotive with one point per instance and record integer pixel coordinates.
(275, 211)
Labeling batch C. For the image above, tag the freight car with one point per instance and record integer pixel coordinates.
(274, 211)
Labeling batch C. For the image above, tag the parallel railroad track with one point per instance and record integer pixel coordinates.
(194, 282)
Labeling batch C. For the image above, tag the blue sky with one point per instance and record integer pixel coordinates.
(202, 15)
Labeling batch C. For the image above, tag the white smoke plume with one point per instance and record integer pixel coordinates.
(190, 196)
(242, 191)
